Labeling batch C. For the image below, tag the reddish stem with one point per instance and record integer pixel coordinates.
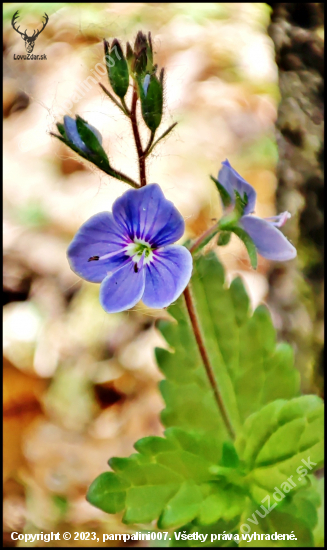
(205, 358)
(203, 237)
(140, 152)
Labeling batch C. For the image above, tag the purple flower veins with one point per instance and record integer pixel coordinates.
(268, 240)
(130, 251)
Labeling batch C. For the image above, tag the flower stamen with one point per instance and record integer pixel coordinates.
(280, 220)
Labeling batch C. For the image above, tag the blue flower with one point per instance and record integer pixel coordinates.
(72, 134)
(130, 251)
(268, 240)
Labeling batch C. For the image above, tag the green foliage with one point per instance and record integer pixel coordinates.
(319, 529)
(196, 477)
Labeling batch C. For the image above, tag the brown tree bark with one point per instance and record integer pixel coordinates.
(296, 295)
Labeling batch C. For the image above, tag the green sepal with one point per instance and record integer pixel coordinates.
(118, 70)
(61, 130)
(130, 58)
(250, 246)
(224, 238)
(92, 142)
(151, 102)
(230, 220)
(225, 198)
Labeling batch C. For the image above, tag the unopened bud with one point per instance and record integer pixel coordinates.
(118, 69)
(151, 95)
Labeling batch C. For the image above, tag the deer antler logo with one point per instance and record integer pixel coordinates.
(29, 40)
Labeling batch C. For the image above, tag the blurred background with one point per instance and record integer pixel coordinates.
(80, 386)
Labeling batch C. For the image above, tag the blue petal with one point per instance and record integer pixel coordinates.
(99, 236)
(146, 214)
(232, 181)
(167, 276)
(122, 289)
(73, 135)
(269, 241)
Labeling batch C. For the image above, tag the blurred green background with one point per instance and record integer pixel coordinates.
(80, 385)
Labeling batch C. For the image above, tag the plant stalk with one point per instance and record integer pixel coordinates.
(204, 237)
(205, 358)
(137, 139)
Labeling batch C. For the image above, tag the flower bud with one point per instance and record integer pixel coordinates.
(117, 68)
(129, 56)
(151, 95)
(84, 143)
(142, 62)
(140, 43)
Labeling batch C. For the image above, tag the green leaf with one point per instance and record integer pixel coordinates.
(275, 522)
(250, 246)
(240, 300)
(118, 70)
(319, 530)
(230, 457)
(250, 369)
(226, 503)
(183, 507)
(108, 492)
(283, 439)
(194, 529)
(196, 475)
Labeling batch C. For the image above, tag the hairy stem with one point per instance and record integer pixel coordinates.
(204, 238)
(146, 151)
(205, 358)
(114, 100)
(122, 177)
(151, 146)
(140, 152)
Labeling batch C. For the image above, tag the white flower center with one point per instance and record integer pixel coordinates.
(137, 248)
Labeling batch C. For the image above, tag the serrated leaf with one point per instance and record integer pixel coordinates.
(183, 507)
(226, 503)
(283, 439)
(186, 476)
(108, 492)
(242, 351)
(194, 530)
(279, 523)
